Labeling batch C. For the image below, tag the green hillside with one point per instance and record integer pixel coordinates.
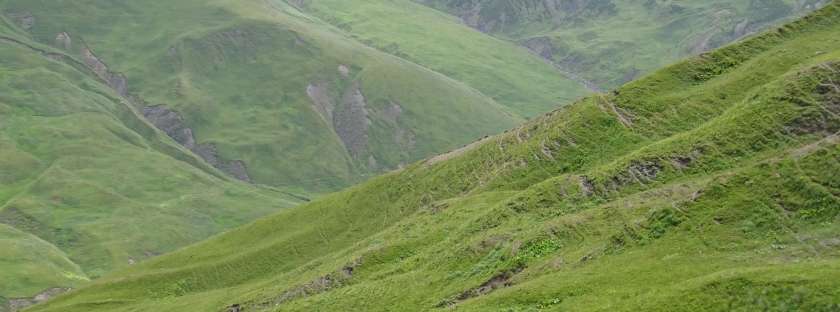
(270, 94)
(87, 186)
(610, 42)
(248, 90)
(709, 185)
(43, 264)
(509, 74)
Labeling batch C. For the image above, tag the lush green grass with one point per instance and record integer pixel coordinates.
(29, 263)
(709, 185)
(87, 185)
(610, 42)
(507, 73)
(84, 173)
(238, 72)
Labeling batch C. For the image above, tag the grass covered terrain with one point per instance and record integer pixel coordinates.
(298, 102)
(509, 74)
(609, 42)
(709, 185)
(29, 263)
(87, 185)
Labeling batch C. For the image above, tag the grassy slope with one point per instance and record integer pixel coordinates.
(509, 74)
(238, 71)
(29, 263)
(610, 42)
(710, 185)
(87, 186)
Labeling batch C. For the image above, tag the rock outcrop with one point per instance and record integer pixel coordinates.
(18, 304)
(351, 121)
(544, 48)
(173, 124)
(114, 80)
(163, 118)
(541, 46)
(497, 16)
(319, 93)
(63, 40)
(348, 117)
(351, 118)
(24, 20)
(404, 137)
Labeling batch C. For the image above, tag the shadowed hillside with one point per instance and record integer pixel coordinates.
(87, 185)
(270, 95)
(606, 43)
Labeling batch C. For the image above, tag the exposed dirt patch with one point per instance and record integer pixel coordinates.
(546, 150)
(681, 162)
(319, 93)
(621, 114)
(644, 171)
(171, 123)
(349, 116)
(116, 81)
(587, 186)
(392, 112)
(684, 161)
(498, 281)
(63, 40)
(640, 172)
(18, 304)
(403, 136)
(806, 150)
(826, 120)
(351, 121)
(319, 285)
(344, 71)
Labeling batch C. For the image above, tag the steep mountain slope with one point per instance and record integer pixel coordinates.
(262, 91)
(86, 185)
(709, 185)
(509, 74)
(609, 42)
(30, 264)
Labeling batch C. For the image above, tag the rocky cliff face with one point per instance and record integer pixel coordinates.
(165, 119)
(505, 15)
(351, 118)
(351, 121)
(173, 124)
(570, 33)
(117, 81)
(18, 304)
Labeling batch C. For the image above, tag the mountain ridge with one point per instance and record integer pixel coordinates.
(570, 34)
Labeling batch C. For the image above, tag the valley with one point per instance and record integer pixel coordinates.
(270, 155)
(708, 185)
